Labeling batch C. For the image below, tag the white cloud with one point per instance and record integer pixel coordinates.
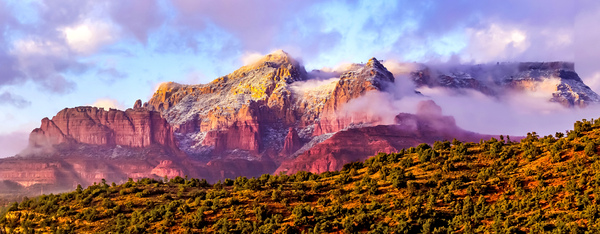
(593, 81)
(315, 85)
(496, 42)
(107, 103)
(12, 143)
(515, 114)
(558, 37)
(586, 38)
(30, 47)
(398, 68)
(88, 36)
(195, 77)
(250, 57)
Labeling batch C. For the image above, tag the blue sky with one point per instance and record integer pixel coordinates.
(58, 53)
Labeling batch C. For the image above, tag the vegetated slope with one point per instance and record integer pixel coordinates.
(269, 116)
(547, 184)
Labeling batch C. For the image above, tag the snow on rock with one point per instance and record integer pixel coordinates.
(499, 79)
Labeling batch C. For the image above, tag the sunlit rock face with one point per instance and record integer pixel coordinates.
(270, 116)
(252, 108)
(83, 145)
(91, 125)
(292, 142)
(555, 81)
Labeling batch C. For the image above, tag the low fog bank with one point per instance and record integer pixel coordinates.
(515, 115)
(12, 143)
(487, 72)
(512, 113)
(473, 111)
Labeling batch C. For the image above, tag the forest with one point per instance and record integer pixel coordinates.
(539, 184)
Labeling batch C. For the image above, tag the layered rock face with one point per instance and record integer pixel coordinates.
(232, 112)
(558, 81)
(292, 142)
(251, 108)
(64, 172)
(83, 145)
(271, 116)
(351, 85)
(90, 125)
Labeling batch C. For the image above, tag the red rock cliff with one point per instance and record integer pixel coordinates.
(292, 142)
(90, 125)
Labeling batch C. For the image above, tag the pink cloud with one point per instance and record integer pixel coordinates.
(12, 143)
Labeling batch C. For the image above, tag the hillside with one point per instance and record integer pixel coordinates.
(540, 184)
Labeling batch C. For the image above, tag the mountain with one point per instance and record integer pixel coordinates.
(252, 113)
(85, 144)
(271, 116)
(356, 144)
(538, 185)
(558, 81)
(252, 109)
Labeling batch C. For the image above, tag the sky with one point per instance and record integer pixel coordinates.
(108, 53)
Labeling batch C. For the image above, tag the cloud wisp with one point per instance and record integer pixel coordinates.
(7, 98)
(12, 143)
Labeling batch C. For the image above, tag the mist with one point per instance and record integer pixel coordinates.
(517, 114)
(12, 143)
(510, 112)
(314, 84)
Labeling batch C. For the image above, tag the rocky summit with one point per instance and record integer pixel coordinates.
(271, 116)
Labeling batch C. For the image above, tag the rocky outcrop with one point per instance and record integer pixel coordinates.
(29, 172)
(137, 104)
(558, 81)
(352, 84)
(244, 136)
(356, 83)
(169, 169)
(348, 146)
(292, 142)
(83, 145)
(90, 125)
(231, 112)
(358, 144)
